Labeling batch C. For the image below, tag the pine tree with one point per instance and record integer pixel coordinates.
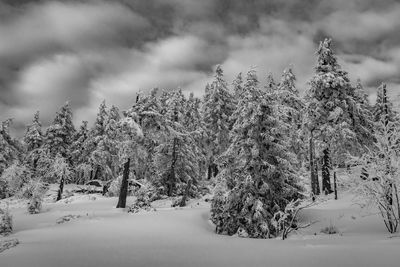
(147, 110)
(362, 119)
(10, 148)
(176, 159)
(264, 179)
(329, 112)
(217, 110)
(383, 108)
(100, 122)
(271, 85)
(34, 136)
(59, 135)
(290, 106)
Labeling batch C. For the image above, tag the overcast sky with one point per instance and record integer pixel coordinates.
(86, 51)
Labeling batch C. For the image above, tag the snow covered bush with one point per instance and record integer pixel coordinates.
(32, 187)
(115, 187)
(330, 230)
(35, 204)
(15, 177)
(6, 223)
(287, 220)
(380, 178)
(142, 202)
(217, 204)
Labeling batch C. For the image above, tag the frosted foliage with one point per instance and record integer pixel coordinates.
(15, 177)
(6, 222)
(264, 177)
(379, 184)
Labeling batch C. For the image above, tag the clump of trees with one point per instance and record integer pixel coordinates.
(250, 137)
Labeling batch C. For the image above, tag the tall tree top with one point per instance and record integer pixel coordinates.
(327, 60)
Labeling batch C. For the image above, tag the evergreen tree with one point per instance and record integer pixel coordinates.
(34, 136)
(10, 148)
(217, 110)
(290, 107)
(362, 119)
(271, 85)
(176, 160)
(147, 110)
(264, 179)
(330, 110)
(59, 135)
(383, 108)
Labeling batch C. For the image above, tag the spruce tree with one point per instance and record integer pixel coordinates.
(330, 111)
(290, 107)
(176, 159)
(217, 110)
(257, 159)
(383, 108)
(33, 141)
(59, 135)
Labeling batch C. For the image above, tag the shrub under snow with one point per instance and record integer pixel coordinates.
(6, 224)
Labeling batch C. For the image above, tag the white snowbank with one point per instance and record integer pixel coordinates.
(105, 236)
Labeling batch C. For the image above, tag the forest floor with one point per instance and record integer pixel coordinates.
(98, 234)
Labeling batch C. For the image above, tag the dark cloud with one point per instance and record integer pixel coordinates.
(88, 50)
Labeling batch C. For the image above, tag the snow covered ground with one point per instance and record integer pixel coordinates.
(105, 236)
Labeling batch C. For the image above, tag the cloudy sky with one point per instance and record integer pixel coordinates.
(85, 51)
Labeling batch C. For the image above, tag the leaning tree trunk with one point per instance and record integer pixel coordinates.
(326, 165)
(124, 185)
(60, 188)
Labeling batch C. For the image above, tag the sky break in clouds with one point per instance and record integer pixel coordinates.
(86, 51)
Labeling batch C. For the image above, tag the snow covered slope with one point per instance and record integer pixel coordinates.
(105, 236)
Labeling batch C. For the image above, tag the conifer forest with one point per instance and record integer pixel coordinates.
(257, 170)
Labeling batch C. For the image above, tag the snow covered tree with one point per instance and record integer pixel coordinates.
(60, 170)
(80, 152)
(33, 141)
(218, 107)
(381, 171)
(147, 109)
(362, 119)
(259, 164)
(6, 222)
(176, 160)
(238, 87)
(14, 177)
(383, 108)
(59, 135)
(34, 137)
(329, 111)
(10, 148)
(290, 106)
(271, 85)
(130, 134)
(100, 122)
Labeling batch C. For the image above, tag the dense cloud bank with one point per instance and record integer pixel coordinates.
(86, 51)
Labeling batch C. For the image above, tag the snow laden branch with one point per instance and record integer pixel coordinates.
(287, 220)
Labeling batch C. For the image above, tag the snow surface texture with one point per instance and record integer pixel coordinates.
(100, 235)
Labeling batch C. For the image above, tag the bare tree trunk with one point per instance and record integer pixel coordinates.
(326, 165)
(335, 184)
(124, 185)
(186, 195)
(60, 188)
(313, 170)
